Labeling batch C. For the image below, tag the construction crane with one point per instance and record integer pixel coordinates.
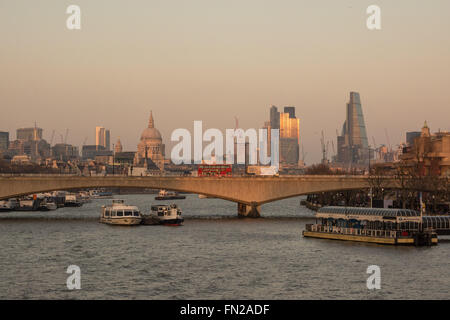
(303, 153)
(324, 149)
(53, 136)
(65, 138)
(377, 149)
(334, 150)
(388, 141)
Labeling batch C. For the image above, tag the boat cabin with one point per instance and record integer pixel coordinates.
(370, 218)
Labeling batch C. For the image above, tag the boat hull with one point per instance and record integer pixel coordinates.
(155, 220)
(172, 222)
(73, 204)
(359, 238)
(122, 221)
(170, 197)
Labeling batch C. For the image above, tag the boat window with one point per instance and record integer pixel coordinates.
(136, 213)
(128, 213)
(107, 212)
(119, 213)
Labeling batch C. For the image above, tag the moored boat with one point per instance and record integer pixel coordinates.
(163, 214)
(100, 194)
(168, 195)
(120, 214)
(72, 200)
(27, 204)
(47, 205)
(375, 225)
(5, 206)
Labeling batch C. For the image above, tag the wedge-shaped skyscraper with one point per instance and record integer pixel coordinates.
(353, 147)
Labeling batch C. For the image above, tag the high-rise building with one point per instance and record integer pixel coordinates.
(4, 141)
(274, 118)
(102, 137)
(289, 137)
(353, 147)
(29, 134)
(107, 144)
(289, 127)
(290, 110)
(64, 152)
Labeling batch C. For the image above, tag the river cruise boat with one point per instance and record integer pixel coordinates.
(120, 214)
(169, 215)
(376, 225)
(168, 195)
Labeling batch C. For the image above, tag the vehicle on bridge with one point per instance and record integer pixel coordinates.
(214, 170)
(120, 214)
(384, 226)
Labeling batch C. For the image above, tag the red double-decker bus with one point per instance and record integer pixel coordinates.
(214, 170)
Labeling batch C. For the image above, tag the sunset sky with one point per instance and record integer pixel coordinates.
(214, 60)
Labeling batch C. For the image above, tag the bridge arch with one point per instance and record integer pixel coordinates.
(249, 192)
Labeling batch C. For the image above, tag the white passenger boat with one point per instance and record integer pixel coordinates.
(120, 214)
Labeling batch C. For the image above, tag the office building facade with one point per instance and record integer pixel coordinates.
(352, 145)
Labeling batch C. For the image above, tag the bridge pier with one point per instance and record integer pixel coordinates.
(248, 211)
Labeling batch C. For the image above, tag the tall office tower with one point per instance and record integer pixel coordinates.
(29, 134)
(289, 137)
(100, 136)
(290, 110)
(4, 141)
(353, 147)
(274, 118)
(107, 140)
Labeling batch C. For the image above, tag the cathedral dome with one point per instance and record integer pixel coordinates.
(151, 133)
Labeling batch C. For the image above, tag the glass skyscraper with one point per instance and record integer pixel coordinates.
(353, 146)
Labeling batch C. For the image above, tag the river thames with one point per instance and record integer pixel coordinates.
(215, 255)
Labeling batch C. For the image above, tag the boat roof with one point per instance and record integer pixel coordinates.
(369, 211)
(432, 219)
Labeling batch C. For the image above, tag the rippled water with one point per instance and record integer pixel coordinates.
(213, 256)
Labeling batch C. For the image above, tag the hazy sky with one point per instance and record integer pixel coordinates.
(213, 60)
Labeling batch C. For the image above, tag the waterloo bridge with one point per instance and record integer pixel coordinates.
(249, 192)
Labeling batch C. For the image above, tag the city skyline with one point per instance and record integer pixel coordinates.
(308, 55)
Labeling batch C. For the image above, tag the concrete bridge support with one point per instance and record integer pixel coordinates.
(249, 211)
